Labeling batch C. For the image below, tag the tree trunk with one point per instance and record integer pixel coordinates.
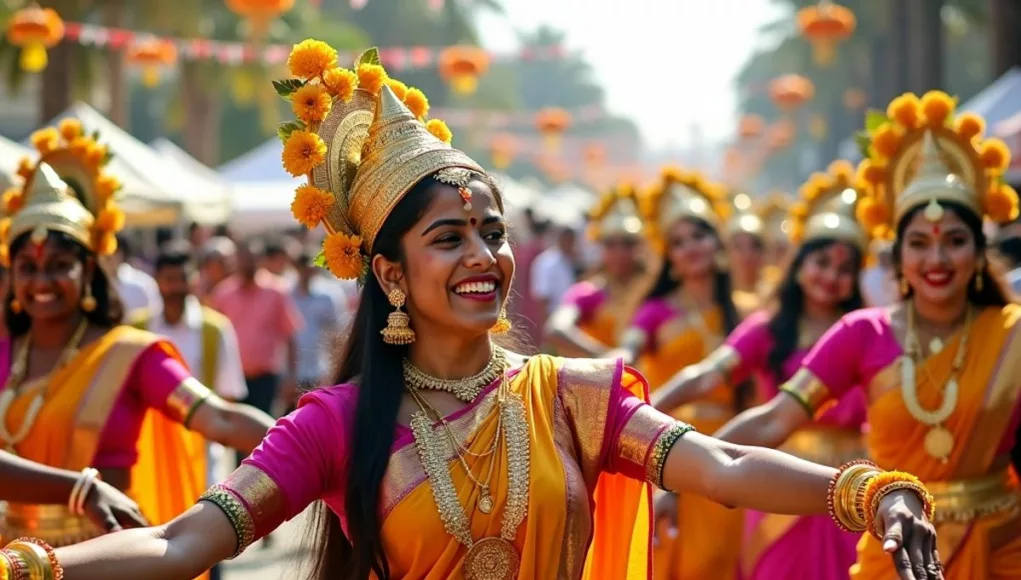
(119, 113)
(1005, 22)
(925, 44)
(202, 115)
(57, 83)
(893, 54)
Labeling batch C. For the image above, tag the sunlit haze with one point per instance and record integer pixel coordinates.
(667, 64)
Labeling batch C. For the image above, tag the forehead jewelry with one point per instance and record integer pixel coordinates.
(933, 211)
(459, 177)
(38, 239)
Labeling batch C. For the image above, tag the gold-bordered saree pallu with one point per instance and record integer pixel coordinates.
(170, 473)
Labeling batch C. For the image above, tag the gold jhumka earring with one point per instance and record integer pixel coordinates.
(88, 302)
(15, 306)
(398, 324)
(503, 324)
(905, 288)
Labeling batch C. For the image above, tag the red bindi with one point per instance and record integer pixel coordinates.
(37, 251)
(935, 230)
(472, 221)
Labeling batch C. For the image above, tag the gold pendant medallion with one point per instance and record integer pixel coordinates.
(939, 443)
(935, 345)
(492, 559)
(485, 501)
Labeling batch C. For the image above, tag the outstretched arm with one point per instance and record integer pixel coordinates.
(563, 334)
(767, 425)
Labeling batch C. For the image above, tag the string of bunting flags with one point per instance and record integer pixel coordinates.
(237, 53)
(494, 119)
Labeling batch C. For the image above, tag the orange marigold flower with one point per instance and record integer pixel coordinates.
(887, 139)
(871, 172)
(905, 111)
(1001, 203)
(341, 83)
(79, 147)
(106, 186)
(110, 220)
(937, 107)
(310, 205)
(13, 200)
(5, 228)
(970, 126)
(371, 77)
(311, 58)
(842, 171)
(303, 151)
(343, 255)
(417, 103)
(96, 156)
(800, 210)
(871, 213)
(106, 244)
(995, 156)
(400, 89)
(46, 140)
(440, 130)
(70, 129)
(311, 104)
(26, 167)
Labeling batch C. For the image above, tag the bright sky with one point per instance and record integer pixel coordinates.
(689, 50)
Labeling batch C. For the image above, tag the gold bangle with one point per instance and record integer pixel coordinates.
(851, 496)
(11, 566)
(38, 557)
(843, 489)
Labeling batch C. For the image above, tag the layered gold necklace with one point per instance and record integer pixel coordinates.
(495, 557)
(939, 441)
(12, 389)
(466, 389)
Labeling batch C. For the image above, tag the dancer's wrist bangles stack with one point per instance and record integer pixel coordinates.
(80, 491)
(29, 559)
(859, 487)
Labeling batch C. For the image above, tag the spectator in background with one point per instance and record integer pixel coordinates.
(197, 234)
(136, 289)
(524, 311)
(267, 322)
(879, 282)
(319, 314)
(279, 261)
(554, 272)
(216, 263)
(1009, 249)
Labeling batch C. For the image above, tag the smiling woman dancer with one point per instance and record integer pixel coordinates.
(940, 368)
(464, 460)
(820, 285)
(78, 388)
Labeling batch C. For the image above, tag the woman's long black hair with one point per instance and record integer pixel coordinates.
(109, 310)
(783, 325)
(376, 367)
(994, 289)
(722, 297)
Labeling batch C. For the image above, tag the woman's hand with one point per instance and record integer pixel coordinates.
(111, 510)
(664, 514)
(909, 537)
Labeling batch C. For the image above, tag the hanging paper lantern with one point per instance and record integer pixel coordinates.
(826, 25)
(503, 148)
(855, 99)
(152, 55)
(461, 66)
(780, 135)
(260, 13)
(551, 123)
(751, 126)
(790, 92)
(595, 155)
(34, 30)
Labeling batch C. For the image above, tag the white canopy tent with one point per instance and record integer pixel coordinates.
(11, 154)
(205, 197)
(261, 191)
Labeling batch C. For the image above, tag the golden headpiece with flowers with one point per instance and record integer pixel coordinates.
(827, 207)
(743, 219)
(774, 211)
(683, 194)
(616, 213)
(66, 190)
(920, 154)
(362, 141)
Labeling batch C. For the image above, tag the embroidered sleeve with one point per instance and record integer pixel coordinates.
(644, 441)
(831, 368)
(185, 399)
(588, 390)
(251, 501)
(745, 350)
(163, 383)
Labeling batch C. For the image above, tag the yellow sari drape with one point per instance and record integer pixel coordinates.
(581, 522)
(988, 547)
(170, 473)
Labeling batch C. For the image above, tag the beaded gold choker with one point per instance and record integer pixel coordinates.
(465, 389)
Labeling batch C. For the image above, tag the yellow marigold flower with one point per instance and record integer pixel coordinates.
(400, 89)
(371, 77)
(871, 213)
(970, 126)
(303, 151)
(343, 255)
(96, 156)
(105, 243)
(799, 210)
(106, 187)
(937, 107)
(46, 140)
(311, 58)
(440, 130)
(5, 228)
(110, 219)
(905, 110)
(995, 156)
(311, 104)
(310, 205)
(70, 129)
(79, 147)
(13, 200)
(417, 103)
(842, 171)
(26, 167)
(1001, 203)
(886, 140)
(871, 172)
(341, 83)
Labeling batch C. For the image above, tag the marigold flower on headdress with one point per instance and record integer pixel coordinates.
(937, 107)
(970, 126)
(343, 255)
(417, 103)
(1001, 203)
(341, 83)
(110, 220)
(872, 172)
(871, 213)
(995, 156)
(905, 110)
(106, 186)
(440, 130)
(25, 168)
(96, 155)
(311, 58)
(13, 200)
(46, 140)
(311, 205)
(371, 77)
(311, 103)
(400, 89)
(70, 129)
(105, 244)
(886, 140)
(303, 152)
(79, 147)
(5, 230)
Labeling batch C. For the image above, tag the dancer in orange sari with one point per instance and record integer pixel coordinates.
(686, 315)
(595, 312)
(78, 388)
(462, 460)
(940, 367)
(744, 236)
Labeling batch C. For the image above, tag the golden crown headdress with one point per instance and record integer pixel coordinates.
(743, 219)
(362, 142)
(774, 211)
(683, 194)
(919, 153)
(827, 207)
(67, 189)
(616, 213)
